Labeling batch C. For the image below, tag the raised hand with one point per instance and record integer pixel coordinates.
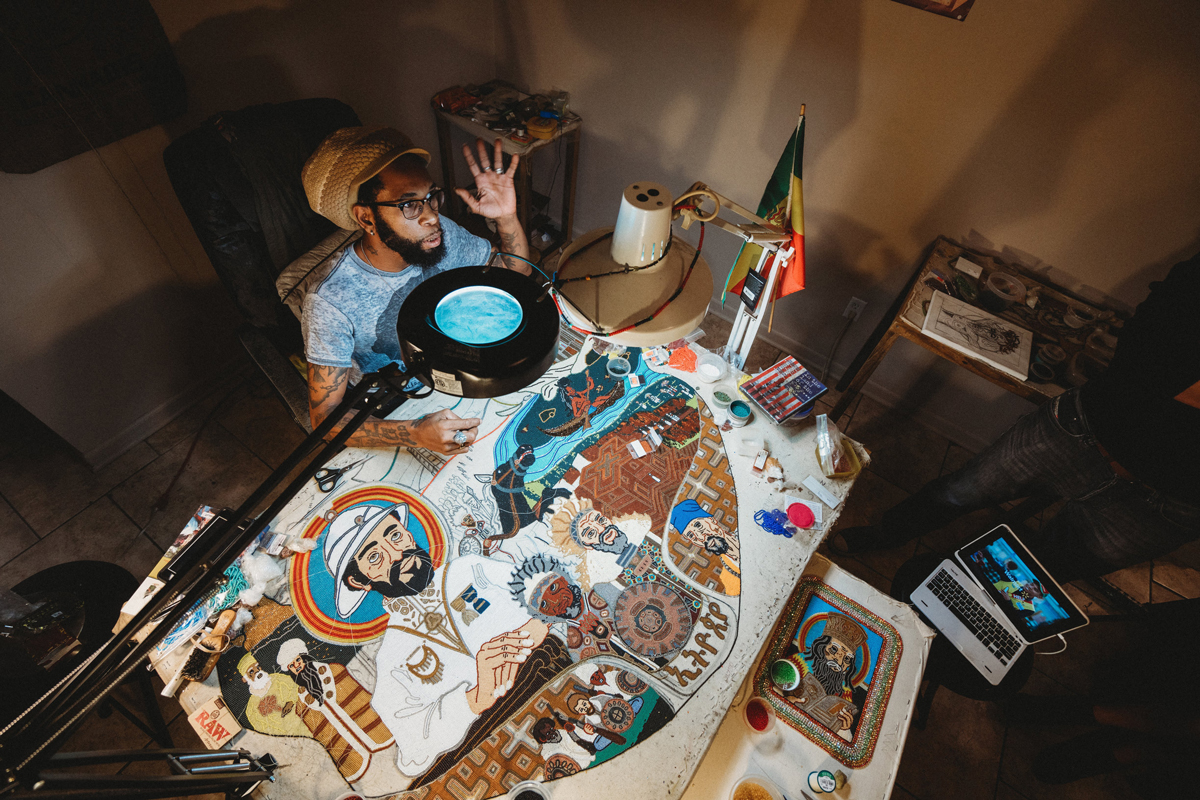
(496, 196)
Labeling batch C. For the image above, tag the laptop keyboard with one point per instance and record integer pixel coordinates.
(978, 621)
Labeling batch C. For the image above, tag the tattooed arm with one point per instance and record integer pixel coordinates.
(513, 240)
(327, 388)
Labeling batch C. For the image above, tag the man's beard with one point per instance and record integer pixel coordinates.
(832, 680)
(618, 545)
(261, 685)
(413, 252)
(418, 580)
(310, 679)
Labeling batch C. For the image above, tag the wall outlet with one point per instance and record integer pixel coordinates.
(854, 308)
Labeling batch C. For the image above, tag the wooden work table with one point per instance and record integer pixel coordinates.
(907, 314)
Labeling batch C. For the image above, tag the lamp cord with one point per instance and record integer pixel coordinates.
(503, 254)
(624, 271)
(601, 332)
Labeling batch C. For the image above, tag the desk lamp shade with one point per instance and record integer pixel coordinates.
(478, 331)
(614, 301)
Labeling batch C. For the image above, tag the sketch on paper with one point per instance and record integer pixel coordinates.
(979, 334)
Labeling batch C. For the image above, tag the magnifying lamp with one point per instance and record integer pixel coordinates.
(478, 331)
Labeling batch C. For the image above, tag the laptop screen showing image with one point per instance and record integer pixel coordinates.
(1020, 586)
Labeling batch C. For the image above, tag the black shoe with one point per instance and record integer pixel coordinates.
(1032, 711)
(1082, 757)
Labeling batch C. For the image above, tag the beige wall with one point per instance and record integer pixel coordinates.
(1065, 131)
(1061, 130)
(111, 317)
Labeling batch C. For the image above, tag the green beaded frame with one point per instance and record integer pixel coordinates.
(856, 753)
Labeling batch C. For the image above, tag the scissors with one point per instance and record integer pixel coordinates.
(327, 479)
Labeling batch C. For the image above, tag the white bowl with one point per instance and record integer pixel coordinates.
(710, 368)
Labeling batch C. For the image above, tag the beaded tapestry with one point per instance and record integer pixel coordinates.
(841, 662)
(524, 611)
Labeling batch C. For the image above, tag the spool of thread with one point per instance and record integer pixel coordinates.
(1077, 317)
(822, 782)
(723, 395)
(1040, 372)
(801, 515)
(1051, 355)
(739, 413)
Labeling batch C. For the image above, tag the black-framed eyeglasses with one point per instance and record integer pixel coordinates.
(411, 209)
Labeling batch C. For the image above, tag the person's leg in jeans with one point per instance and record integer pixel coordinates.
(1038, 455)
(1115, 528)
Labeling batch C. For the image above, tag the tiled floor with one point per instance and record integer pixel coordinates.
(53, 508)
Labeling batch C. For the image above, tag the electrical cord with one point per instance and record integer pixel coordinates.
(834, 347)
(623, 271)
(600, 331)
(503, 254)
(1054, 652)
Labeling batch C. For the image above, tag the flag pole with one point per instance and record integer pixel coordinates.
(799, 122)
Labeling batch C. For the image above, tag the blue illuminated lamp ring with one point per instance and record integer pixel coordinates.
(479, 370)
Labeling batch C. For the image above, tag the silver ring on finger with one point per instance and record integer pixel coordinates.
(498, 170)
(460, 438)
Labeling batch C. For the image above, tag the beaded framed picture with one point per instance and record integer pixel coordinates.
(829, 669)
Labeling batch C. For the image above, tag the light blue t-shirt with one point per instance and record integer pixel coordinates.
(349, 318)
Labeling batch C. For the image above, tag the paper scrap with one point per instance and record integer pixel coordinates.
(969, 267)
(824, 495)
(137, 602)
(214, 723)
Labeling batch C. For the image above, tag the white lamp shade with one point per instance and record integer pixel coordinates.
(643, 224)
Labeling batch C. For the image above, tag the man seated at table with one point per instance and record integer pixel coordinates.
(375, 180)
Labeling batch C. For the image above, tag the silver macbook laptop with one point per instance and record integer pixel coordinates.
(993, 599)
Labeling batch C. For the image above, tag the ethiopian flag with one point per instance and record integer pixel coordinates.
(782, 204)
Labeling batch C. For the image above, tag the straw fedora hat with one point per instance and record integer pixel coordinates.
(347, 159)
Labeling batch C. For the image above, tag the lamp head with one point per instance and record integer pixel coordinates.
(643, 228)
